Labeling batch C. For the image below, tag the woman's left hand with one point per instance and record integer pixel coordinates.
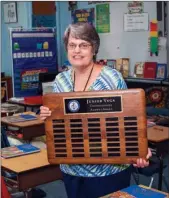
(142, 163)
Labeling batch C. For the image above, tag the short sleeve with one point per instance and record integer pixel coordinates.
(121, 82)
(55, 85)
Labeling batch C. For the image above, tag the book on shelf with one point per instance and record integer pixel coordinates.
(136, 191)
(122, 65)
(8, 107)
(139, 69)
(161, 71)
(20, 118)
(150, 70)
(19, 150)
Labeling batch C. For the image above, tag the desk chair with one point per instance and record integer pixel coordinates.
(149, 171)
(45, 77)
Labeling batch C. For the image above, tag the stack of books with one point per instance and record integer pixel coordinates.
(14, 151)
(20, 118)
(6, 107)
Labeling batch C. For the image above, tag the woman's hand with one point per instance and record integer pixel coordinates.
(44, 112)
(142, 163)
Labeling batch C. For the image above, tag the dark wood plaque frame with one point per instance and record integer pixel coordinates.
(98, 129)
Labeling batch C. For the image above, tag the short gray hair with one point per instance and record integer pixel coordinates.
(84, 31)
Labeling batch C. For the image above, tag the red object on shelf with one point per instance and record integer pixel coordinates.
(33, 100)
(150, 70)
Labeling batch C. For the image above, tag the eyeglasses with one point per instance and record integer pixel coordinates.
(82, 46)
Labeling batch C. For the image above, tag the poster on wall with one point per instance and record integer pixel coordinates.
(30, 78)
(136, 22)
(83, 15)
(103, 18)
(10, 12)
(33, 52)
(136, 7)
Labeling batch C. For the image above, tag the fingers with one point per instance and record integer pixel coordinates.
(44, 108)
(141, 163)
(44, 112)
(149, 154)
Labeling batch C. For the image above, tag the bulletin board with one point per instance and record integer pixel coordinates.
(33, 52)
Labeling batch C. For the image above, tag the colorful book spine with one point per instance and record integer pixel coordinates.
(161, 71)
(150, 70)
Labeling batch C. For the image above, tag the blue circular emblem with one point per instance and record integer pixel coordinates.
(73, 106)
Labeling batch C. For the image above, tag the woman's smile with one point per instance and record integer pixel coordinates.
(78, 57)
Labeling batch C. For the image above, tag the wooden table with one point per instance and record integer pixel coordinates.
(158, 137)
(31, 170)
(29, 129)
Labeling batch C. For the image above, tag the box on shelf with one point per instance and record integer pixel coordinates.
(122, 65)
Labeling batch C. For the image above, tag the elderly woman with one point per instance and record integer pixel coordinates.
(89, 181)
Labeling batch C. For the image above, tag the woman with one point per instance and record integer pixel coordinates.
(89, 181)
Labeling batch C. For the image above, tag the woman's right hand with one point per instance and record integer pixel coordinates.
(44, 112)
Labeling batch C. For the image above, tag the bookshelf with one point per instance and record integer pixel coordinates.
(143, 80)
(148, 81)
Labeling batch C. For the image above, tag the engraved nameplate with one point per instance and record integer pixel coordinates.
(93, 105)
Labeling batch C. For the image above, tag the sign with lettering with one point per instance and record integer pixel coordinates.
(93, 105)
(10, 12)
(136, 22)
(103, 18)
(84, 15)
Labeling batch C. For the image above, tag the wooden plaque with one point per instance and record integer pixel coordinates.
(99, 127)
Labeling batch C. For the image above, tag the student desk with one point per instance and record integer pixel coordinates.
(158, 137)
(31, 170)
(29, 129)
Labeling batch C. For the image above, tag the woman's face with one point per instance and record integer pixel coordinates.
(80, 52)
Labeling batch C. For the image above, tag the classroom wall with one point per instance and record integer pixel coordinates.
(117, 43)
(24, 19)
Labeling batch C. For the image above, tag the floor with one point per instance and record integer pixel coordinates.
(57, 190)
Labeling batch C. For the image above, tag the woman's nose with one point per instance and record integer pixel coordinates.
(77, 48)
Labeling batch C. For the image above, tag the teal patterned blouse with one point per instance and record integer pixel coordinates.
(109, 79)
